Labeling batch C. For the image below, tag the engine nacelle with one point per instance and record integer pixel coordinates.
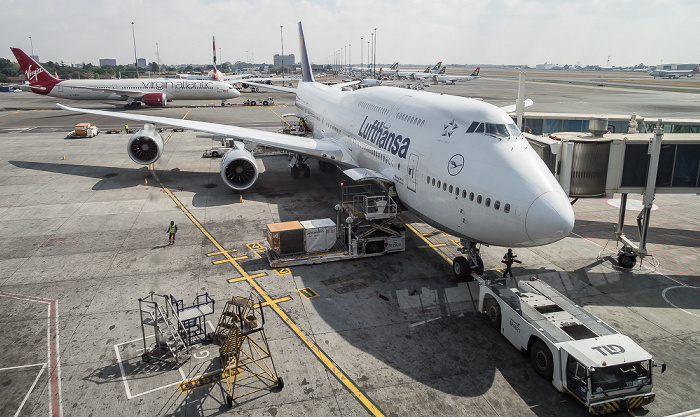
(239, 170)
(155, 99)
(145, 146)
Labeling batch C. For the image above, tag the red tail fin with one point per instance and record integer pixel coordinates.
(35, 73)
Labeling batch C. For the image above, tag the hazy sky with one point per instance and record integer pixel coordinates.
(411, 31)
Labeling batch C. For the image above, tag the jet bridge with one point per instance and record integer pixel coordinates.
(600, 164)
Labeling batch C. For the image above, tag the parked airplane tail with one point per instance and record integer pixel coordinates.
(442, 71)
(476, 72)
(306, 74)
(695, 70)
(437, 66)
(35, 73)
(395, 66)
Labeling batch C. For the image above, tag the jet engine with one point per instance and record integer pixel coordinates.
(155, 99)
(145, 146)
(238, 168)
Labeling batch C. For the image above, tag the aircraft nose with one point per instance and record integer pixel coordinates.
(550, 218)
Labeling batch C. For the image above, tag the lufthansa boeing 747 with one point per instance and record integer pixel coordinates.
(459, 164)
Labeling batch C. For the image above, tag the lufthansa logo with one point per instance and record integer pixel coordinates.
(455, 165)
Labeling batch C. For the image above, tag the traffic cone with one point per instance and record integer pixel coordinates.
(241, 199)
(145, 181)
(64, 157)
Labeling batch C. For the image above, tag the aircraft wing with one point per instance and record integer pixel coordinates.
(347, 84)
(274, 87)
(312, 147)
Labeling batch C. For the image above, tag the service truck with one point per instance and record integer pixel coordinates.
(575, 350)
(84, 130)
(364, 227)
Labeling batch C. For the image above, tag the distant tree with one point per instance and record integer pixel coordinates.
(9, 68)
(154, 67)
(189, 68)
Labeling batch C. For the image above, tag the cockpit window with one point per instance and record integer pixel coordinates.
(514, 131)
(497, 129)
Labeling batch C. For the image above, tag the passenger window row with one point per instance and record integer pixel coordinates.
(410, 119)
(373, 107)
(479, 199)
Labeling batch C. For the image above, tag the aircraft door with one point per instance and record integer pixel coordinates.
(412, 171)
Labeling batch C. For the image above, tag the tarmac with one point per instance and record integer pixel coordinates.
(83, 237)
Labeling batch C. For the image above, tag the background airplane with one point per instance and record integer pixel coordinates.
(461, 165)
(442, 77)
(674, 73)
(149, 91)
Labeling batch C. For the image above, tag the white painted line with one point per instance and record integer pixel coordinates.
(41, 371)
(22, 366)
(121, 368)
(689, 413)
(663, 294)
(420, 323)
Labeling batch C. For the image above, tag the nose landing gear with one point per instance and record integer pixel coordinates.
(463, 266)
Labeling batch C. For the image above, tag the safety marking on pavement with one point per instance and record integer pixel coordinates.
(175, 190)
(308, 293)
(354, 286)
(413, 229)
(279, 300)
(246, 278)
(283, 271)
(456, 242)
(230, 259)
(310, 344)
(60, 241)
(255, 246)
(222, 252)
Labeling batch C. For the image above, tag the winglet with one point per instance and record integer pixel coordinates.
(306, 74)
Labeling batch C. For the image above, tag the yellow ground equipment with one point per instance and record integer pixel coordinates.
(246, 360)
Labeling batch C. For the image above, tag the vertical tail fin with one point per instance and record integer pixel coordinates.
(437, 66)
(35, 73)
(476, 72)
(442, 71)
(395, 66)
(306, 74)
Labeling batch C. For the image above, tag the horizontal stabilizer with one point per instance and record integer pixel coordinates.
(363, 174)
(511, 107)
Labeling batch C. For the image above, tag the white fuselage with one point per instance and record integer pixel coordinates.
(485, 187)
(175, 89)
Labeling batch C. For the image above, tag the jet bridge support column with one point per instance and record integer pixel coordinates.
(626, 256)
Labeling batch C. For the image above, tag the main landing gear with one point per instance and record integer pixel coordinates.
(298, 166)
(463, 266)
(132, 105)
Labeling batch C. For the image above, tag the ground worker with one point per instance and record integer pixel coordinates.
(508, 259)
(126, 128)
(172, 229)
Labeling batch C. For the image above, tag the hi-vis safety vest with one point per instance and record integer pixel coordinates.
(392, 191)
(172, 228)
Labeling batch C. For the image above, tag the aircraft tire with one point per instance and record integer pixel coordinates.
(295, 172)
(460, 267)
(541, 359)
(306, 171)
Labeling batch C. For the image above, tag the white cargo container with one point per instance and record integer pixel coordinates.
(319, 235)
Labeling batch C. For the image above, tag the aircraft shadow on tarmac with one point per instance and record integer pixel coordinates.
(656, 235)
(209, 190)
